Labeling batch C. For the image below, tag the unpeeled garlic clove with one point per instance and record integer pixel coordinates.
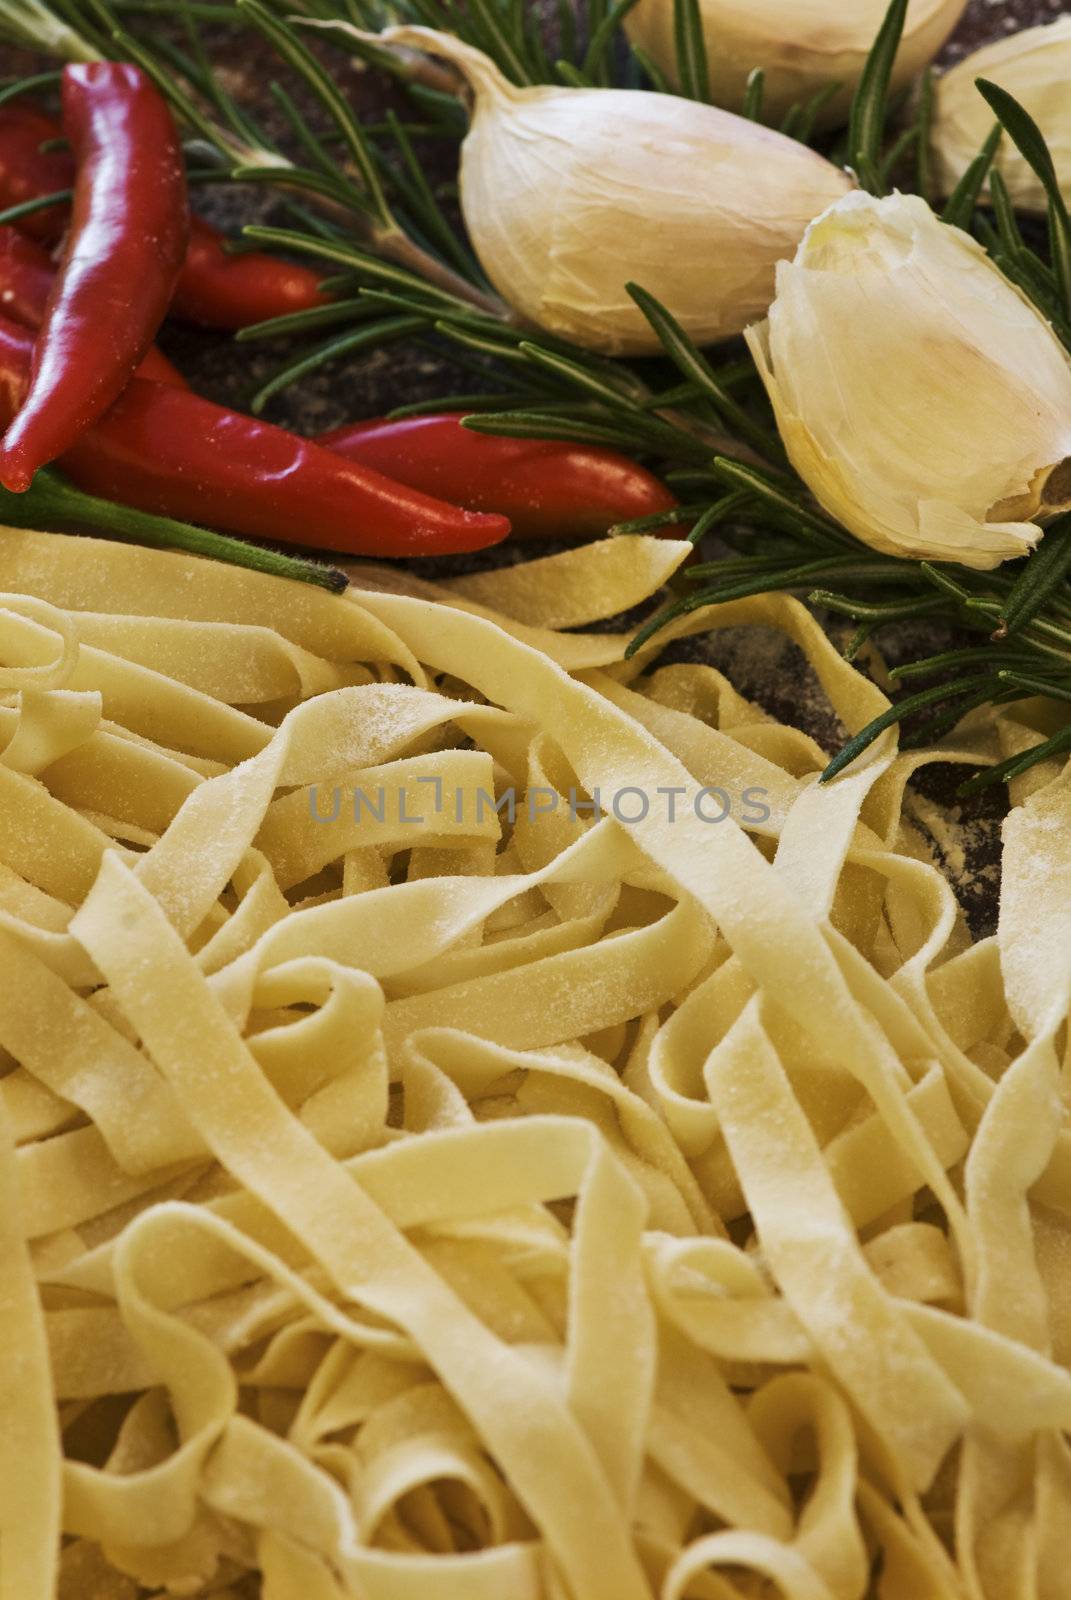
(569, 194)
(1033, 65)
(921, 397)
(801, 45)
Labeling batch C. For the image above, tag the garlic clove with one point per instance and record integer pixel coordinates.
(921, 397)
(1033, 65)
(801, 45)
(569, 194)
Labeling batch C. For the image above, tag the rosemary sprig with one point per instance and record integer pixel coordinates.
(1030, 141)
(693, 75)
(37, 26)
(1014, 767)
(1041, 579)
(866, 128)
(959, 207)
(343, 344)
(924, 121)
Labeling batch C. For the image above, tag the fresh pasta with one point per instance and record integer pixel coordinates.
(479, 1121)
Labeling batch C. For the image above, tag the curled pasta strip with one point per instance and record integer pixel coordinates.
(435, 1166)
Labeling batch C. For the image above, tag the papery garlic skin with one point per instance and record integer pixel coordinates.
(920, 396)
(569, 194)
(1033, 65)
(801, 46)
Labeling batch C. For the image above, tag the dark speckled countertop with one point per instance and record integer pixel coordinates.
(760, 664)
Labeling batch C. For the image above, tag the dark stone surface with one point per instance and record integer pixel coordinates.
(773, 675)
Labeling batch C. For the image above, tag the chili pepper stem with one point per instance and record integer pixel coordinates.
(51, 501)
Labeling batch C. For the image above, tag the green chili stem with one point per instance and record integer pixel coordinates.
(52, 503)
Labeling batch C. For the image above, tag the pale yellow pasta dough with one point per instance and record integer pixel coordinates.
(480, 1121)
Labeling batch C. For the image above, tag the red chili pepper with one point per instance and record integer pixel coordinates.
(219, 290)
(127, 241)
(27, 273)
(546, 488)
(166, 450)
(27, 172)
(215, 289)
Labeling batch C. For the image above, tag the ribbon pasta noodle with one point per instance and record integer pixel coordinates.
(442, 1160)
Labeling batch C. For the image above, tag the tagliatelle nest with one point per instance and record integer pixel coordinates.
(466, 1208)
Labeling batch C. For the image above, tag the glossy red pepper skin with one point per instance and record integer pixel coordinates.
(126, 243)
(166, 450)
(549, 490)
(215, 289)
(27, 273)
(219, 290)
(27, 172)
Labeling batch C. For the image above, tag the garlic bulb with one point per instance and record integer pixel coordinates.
(801, 45)
(568, 194)
(921, 397)
(1034, 66)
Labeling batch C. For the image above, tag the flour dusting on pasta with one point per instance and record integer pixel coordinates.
(443, 1158)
